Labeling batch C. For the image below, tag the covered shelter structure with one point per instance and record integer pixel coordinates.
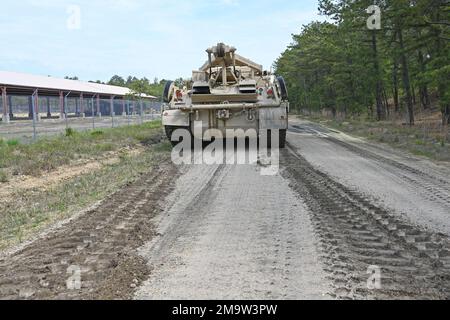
(26, 96)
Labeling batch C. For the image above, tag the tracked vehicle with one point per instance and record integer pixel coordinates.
(228, 92)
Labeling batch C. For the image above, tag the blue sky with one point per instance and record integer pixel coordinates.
(151, 38)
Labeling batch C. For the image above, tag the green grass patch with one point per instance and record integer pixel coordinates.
(51, 152)
(12, 142)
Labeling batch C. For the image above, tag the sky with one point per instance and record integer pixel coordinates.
(166, 39)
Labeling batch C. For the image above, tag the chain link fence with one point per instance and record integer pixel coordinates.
(26, 126)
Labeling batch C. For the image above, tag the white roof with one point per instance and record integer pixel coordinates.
(14, 79)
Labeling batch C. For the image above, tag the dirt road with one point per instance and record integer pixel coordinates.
(340, 212)
(241, 235)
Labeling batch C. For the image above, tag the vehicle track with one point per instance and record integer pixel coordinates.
(355, 235)
(102, 243)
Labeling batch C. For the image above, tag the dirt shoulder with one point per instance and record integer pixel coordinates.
(79, 171)
(93, 256)
(69, 229)
(51, 179)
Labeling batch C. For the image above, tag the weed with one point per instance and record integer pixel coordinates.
(97, 133)
(3, 177)
(70, 132)
(12, 142)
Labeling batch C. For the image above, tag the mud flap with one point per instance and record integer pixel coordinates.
(176, 118)
(273, 118)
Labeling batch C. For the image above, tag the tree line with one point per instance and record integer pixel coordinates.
(341, 65)
(138, 86)
(144, 85)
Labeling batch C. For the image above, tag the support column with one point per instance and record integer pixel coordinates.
(61, 105)
(124, 112)
(10, 107)
(99, 113)
(111, 106)
(49, 112)
(36, 104)
(30, 107)
(82, 113)
(112, 111)
(5, 106)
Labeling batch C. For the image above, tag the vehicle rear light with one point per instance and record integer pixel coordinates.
(179, 95)
(270, 93)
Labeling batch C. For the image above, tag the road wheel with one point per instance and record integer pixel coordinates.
(168, 92)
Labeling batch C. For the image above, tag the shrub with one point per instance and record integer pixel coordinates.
(12, 142)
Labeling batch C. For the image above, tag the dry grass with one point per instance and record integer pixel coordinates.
(27, 211)
(32, 210)
(49, 153)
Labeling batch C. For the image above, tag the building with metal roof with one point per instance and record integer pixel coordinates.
(34, 87)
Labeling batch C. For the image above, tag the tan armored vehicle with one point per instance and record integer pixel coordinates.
(228, 92)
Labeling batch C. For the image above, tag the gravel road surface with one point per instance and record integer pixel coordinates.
(241, 236)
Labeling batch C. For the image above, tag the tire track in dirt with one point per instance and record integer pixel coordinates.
(355, 235)
(242, 236)
(101, 245)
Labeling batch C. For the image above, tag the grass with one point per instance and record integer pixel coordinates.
(33, 210)
(427, 139)
(12, 142)
(29, 211)
(49, 153)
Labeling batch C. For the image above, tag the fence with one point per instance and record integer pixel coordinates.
(26, 126)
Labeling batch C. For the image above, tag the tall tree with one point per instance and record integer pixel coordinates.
(342, 66)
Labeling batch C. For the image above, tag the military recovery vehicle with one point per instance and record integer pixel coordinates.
(228, 92)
